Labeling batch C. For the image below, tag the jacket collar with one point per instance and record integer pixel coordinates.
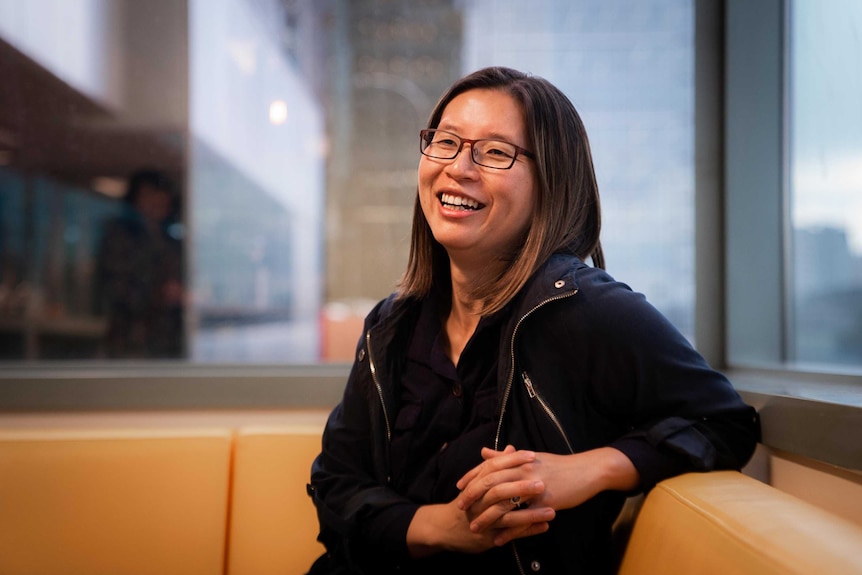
(391, 324)
(557, 276)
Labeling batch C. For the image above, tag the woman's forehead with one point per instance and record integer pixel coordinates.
(484, 113)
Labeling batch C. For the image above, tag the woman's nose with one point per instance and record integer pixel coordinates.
(463, 165)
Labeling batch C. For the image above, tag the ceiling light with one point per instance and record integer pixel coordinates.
(278, 112)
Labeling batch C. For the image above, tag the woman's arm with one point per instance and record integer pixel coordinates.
(634, 376)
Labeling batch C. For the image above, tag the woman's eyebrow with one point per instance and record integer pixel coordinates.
(489, 136)
(447, 127)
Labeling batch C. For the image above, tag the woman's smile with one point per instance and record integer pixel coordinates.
(459, 203)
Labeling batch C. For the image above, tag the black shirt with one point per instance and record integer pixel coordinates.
(446, 415)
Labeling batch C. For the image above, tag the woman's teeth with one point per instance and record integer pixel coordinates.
(458, 202)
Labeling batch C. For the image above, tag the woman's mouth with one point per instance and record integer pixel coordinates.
(454, 202)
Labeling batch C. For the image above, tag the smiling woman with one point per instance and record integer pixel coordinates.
(287, 227)
(506, 398)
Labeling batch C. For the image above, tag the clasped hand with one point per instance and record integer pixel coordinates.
(485, 514)
(507, 495)
(494, 492)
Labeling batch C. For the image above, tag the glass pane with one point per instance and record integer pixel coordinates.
(826, 181)
(629, 69)
(277, 145)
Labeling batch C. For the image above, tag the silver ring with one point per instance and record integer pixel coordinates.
(516, 500)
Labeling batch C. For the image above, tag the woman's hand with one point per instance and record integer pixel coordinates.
(543, 480)
(446, 527)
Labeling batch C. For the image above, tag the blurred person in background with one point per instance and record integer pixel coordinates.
(139, 272)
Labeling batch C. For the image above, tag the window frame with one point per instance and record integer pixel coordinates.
(810, 413)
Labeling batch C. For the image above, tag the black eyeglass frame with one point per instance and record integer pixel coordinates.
(424, 142)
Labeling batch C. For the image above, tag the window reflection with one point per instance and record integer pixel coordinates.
(289, 133)
(80, 110)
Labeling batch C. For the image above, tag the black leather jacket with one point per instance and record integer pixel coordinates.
(584, 362)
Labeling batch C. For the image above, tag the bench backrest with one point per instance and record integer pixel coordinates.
(273, 521)
(93, 503)
(725, 523)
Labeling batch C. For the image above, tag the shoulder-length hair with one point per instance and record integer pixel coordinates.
(567, 215)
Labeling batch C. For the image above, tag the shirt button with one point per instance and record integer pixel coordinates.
(559, 283)
(457, 390)
(535, 566)
(361, 355)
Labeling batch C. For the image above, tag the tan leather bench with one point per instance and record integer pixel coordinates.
(226, 501)
(273, 522)
(115, 502)
(724, 523)
(148, 501)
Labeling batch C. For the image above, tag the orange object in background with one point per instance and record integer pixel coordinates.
(340, 329)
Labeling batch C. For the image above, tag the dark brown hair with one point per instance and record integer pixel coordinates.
(567, 215)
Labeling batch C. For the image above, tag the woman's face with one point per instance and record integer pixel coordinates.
(475, 212)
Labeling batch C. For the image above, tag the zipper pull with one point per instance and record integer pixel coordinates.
(529, 384)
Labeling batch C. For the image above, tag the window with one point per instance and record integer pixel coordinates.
(826, 181)
(276, 146)
(793, 186)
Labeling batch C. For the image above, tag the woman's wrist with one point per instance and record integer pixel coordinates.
(618, 473)
(424, 536)
(589, 473)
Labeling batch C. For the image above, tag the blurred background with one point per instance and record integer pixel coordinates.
(214, 181)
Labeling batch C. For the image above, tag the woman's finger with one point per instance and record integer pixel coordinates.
(511, 534)
(498, 462)
(485, 490)
(497, 485)
(487, 453)
(517, 520)
(503, 500)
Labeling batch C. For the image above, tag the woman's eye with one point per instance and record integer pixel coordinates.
(498, 152)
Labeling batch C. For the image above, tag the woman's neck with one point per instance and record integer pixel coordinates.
(464, 310)
(458, 328)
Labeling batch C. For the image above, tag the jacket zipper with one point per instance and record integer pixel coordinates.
(518, 559)
(508, 391)
(547, 409)
(511, 377)
(377, 385)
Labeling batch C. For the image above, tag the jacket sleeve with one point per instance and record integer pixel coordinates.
(681, 415)
(363, 522)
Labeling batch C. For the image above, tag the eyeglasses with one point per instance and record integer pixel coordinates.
(444, 145)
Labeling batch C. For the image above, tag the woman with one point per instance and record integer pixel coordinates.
(508, 397)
